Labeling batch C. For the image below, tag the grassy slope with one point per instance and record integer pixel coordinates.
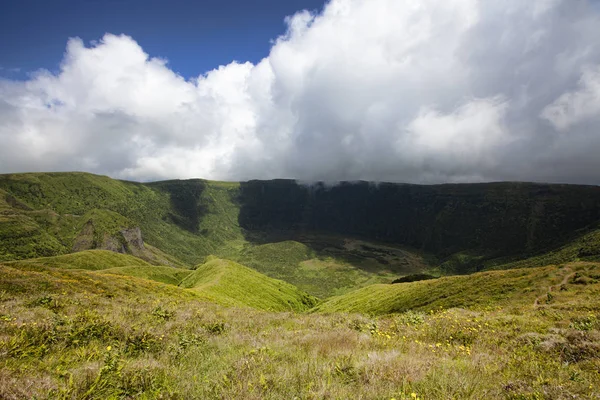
(40, 279)
(230, 283)
(209, 216)
(104, 222)
(327, 272)
(186, 220)
(23, 232)
(69, 198)
(42, 214)
(92, 260)
(518, 286)
(219, 281)
(493, 219)
(583, 248)
(60, 204)
(82, 334)
(169, 275)
(106, 262)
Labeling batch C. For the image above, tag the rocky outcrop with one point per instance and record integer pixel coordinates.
(133, 239)
(125, 241)
(85, 238)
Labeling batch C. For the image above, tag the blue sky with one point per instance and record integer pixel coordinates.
(195, 36)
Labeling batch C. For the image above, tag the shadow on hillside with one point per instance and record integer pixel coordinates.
(504, 219)
(186, 207)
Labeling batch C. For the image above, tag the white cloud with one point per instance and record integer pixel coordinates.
(399, 90)
(467, 138)
(577, 106)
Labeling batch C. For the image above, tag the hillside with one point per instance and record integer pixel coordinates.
(99, 324)
(45, 214)
(220, 281)
(471, 223)
(231, 284)
(336, 266)
(92, 260)
(74, 333)
(486, 289)
(327, 240)
(169, 275)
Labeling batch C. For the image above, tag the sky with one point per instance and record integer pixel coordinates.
(195, 36)
(419, 91)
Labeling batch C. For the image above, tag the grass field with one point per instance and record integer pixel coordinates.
(68, 334)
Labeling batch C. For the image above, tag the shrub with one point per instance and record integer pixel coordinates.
(414, 278)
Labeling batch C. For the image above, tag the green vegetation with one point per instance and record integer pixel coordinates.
(169, 275)
(480, 290)
(73, 199)
(199, 220)
(98, 299)
(68, 333)
(91, 260)
(337, 267)
(460, 228)
(100, 224)
(584, 248)
(491, 220)
(180, 220)
(22, 233)
(228, 283)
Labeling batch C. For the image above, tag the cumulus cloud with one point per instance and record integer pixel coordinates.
(387, 90)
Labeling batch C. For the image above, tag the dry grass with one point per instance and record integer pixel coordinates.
(87, 335)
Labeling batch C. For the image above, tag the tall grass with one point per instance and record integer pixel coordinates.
(82, 334)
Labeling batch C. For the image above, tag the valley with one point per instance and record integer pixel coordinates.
(275, 289)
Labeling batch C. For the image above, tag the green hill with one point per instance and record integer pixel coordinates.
(515, 287)
(220, 281)
(483, 221)
(334, 238)
(165, 222)
(44, 213)
(169, 275)
(229, 283)
(584, 248)
(92, 260)
(108, 262)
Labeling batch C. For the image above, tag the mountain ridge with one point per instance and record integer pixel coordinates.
(455, 228)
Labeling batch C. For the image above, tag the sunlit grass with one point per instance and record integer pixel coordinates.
(79, 334)
(230, 283)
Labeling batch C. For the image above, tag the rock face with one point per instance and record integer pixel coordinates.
(126, 241)
(85, 239)
(112, 243)
(133, 241)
